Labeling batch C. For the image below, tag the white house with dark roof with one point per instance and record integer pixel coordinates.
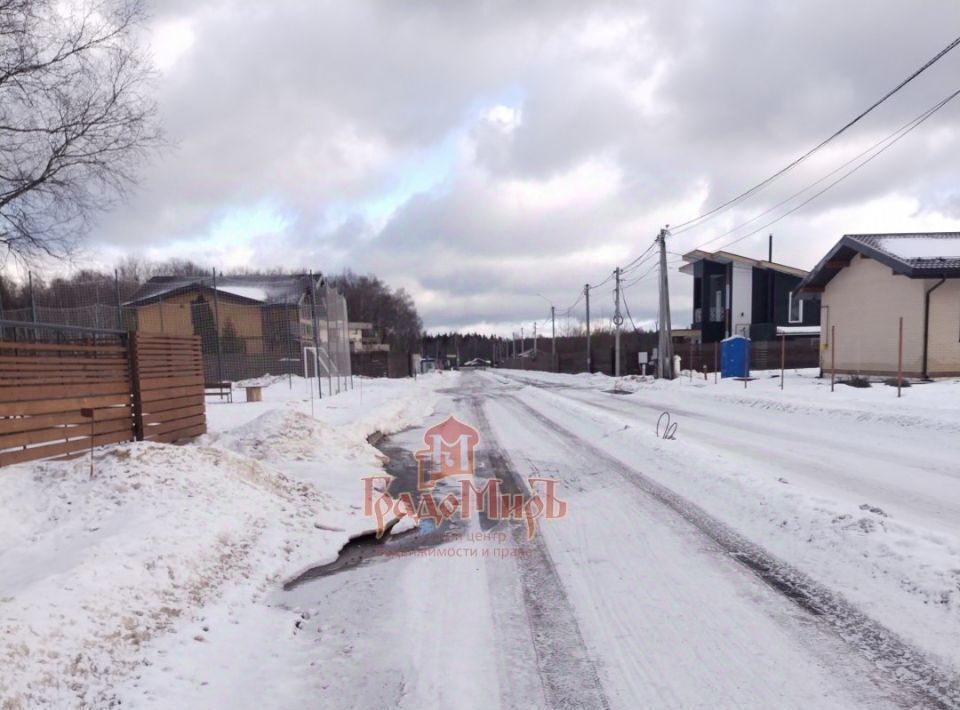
(867, 282)
(737, 295)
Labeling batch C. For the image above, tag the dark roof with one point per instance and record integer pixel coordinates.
(922, 255)
(244, 289)
(725, 257)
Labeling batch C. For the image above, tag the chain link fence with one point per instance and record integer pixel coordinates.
(248, 329)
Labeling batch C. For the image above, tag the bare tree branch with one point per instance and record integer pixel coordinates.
(76, 118)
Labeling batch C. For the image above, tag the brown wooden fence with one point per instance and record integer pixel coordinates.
(167, 387)
(58, 399)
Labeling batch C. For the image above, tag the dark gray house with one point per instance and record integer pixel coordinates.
(736, 295)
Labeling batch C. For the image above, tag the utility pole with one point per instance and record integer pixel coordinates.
(586, 292)
(617, 321)
(534, 340)
(521, 340)
(665, 341)
(553, 336)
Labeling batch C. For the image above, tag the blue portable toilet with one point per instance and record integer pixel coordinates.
(735, 357)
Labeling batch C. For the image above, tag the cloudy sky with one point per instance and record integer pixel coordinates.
(479, 152)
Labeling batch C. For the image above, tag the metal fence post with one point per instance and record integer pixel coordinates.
(833, 356)
(33, 301)
(116, 290)
(316, 334)
(326, 308)
(216, 327)
(900, 359)
(783, 357)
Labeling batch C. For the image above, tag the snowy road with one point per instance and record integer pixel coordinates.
(639, 597)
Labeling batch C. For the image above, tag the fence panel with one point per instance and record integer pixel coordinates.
(44, 388)
(168, 387)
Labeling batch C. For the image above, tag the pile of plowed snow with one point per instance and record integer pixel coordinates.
(290, 435)
(92, 569)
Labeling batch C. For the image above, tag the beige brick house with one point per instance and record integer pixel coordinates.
(867, 282)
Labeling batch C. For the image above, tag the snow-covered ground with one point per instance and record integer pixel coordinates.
(146, 585)
(857, 488)
(160, 583)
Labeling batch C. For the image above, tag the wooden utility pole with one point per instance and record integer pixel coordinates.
(665, 341)
(553, 337)
(586, 292)
(617, 322)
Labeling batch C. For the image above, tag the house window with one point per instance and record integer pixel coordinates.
(717, 314)
(795, 309)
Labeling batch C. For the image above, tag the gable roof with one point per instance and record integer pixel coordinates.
(285, 288)
(921, 255)
(726, 257)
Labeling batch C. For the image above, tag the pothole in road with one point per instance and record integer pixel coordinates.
(367, 548)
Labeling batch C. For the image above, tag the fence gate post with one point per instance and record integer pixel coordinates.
(135, 381)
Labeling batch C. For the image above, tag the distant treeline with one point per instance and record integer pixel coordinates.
(391, 311)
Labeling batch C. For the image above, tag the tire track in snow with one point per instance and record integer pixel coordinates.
(568, 675)
(909, 669)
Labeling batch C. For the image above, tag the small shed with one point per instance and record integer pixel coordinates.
(735, 356)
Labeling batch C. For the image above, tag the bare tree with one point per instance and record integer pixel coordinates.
(76, 118)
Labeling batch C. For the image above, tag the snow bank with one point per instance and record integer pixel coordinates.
(93, 570)
(123, 588)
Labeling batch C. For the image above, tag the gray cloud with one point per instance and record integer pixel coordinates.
(617, 117)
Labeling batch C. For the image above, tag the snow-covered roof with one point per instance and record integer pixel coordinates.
(920, 249)
(916, 256)
(252, 292)
(286, 288)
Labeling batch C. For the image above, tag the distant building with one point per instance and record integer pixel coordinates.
(736, 295)
(867, 282)
(262, 322)
(364, 338)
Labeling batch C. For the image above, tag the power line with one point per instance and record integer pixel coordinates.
(689, 224)
(926, 115)
(627, 308)
(904, 129)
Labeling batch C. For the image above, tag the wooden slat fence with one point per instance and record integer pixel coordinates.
(168, 387)
(44, 387)
(151, 389)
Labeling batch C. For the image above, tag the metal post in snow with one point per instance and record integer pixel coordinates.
(116, 290)
(216, 327)
(326, 308)
(783, 357)
(716, 362)
(746, 370)
(316, 336)
(33, 301)
(900, 359)
(833, 356)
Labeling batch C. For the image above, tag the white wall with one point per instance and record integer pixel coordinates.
(741, 300)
